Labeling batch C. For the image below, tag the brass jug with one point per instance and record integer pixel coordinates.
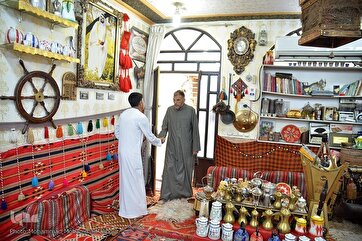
(243, 213)
(267, 223)
(278, 200)
(292, 201)
(238, 195)
(208, 189)
(229, 216)
(254, 218)
(283, 225)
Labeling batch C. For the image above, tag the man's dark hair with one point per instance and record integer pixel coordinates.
(179, 92)
(135, 98)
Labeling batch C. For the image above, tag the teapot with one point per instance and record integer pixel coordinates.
(201, 226)
(283, 225)
(229, 216)
(243, 213)
(31, 40)
(301, 225)
(267, 223)
(227, 232)
(214, 230)
(14, 35)
(216, 212)
(208, 189)
(241, 234)
(254, 218)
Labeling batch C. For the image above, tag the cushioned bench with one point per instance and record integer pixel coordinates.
(292, 178)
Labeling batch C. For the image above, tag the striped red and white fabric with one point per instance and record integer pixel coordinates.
(60, 214)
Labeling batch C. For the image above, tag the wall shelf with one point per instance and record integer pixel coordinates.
(35, 51)
(306, 120)
(25, 6)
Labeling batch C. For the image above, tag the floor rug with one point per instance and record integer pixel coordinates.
(177, 210)
(181, 230)
(139, 234)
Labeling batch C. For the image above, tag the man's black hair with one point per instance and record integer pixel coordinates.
(135, 98)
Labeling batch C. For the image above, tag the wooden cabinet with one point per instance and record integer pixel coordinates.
(287, 92)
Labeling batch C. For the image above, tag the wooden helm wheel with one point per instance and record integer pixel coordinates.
(47, 96)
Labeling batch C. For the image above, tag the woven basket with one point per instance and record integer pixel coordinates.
(352, 156)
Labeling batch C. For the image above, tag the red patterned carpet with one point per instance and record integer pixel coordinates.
(148, 228)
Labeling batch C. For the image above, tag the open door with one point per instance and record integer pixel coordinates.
(156, 74)
(208, 89)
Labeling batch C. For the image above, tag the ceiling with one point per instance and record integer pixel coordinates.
(161, 11)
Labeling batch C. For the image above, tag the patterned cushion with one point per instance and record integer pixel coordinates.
(59, 214)
(292, 178)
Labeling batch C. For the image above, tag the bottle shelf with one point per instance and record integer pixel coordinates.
(297, 144)
(25, 6)
(314, 121)
(312, 96)
(35, 51)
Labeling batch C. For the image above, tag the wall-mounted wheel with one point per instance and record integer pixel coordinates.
(37, 97)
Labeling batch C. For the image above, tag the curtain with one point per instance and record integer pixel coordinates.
(157, 33)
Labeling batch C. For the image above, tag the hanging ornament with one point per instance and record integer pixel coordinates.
(30, 136)
(65, 182)
(98, 127)
(13, 139)
(98, 124)
(115, 157)
(46, 132)
(109, 156)
(86, 168)
(79, 128)
(90, 126)
(60, 134)
(112, 121)
(34, 180)
(4, 205)
(70, 130)
(84, 174)
(51, 183)
(105, 122)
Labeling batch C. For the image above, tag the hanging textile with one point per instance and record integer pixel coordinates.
(125, 60)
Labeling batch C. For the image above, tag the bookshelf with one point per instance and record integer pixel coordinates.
(333, 95)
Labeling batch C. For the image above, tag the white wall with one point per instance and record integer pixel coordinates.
(221, 32)
(11, 72)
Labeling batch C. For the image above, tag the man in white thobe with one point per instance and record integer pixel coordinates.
(131, 127)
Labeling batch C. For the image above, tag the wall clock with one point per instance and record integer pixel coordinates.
(241, 47)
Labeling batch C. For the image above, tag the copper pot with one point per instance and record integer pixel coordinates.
(245, 119)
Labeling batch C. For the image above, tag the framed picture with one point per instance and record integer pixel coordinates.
(98, 45)
(138, 46)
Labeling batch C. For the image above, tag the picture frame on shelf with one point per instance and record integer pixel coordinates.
(98, 45)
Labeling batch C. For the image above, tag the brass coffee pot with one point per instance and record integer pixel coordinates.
(267, 223)
(283, 225)
(278, 200)
(243, 213)
(254, 218)
(292, 201)
(229, 216)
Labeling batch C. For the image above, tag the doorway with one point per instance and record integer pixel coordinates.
(189, 58)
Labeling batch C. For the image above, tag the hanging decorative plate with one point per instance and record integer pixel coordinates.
(283, 188)
(290, 133)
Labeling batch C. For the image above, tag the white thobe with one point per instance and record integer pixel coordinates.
(131, 126)
(97, 48)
